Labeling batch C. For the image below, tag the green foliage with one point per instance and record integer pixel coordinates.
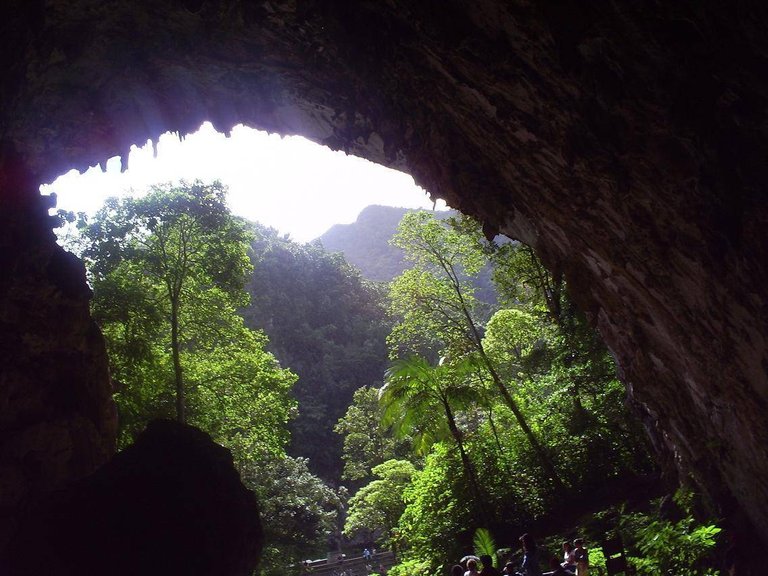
(377, 507)
(434, 300)
(367, 442)
(596, 559)
(414, 566)
(483, 543)
(521, 279)
(175, 233)
(167, 271)
(328, 325)
(239, 393)
(184, 241)
(434, 303)
(437, 517)
(664, 538)
(415, 392)
(682, 548)
(505, 390)
(511, 337)
(436, 245)
(565, 379)
(429, 319)
(298, 511)
(537, 395)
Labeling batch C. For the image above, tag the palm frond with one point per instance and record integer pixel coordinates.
(484, 543)
(409, 401)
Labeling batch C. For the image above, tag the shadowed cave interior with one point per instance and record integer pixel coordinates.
(624, 141)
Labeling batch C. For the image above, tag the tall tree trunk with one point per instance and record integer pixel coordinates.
(541, 452)
(469, 469)
(546, 461)
(181, 415)
(498, 442)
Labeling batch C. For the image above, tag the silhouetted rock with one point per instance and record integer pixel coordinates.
(170, 504)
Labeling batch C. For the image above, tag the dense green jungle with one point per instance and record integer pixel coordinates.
(408, 415)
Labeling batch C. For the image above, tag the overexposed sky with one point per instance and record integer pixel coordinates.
(289, 183)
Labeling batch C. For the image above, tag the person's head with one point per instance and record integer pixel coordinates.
(486, 560)
(471, 565)
(528, 542)
(457, 570)
(567, 546)
(579, 543)
(509, 568)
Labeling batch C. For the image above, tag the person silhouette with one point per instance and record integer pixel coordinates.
(530, 563)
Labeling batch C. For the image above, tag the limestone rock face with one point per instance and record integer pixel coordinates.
(57, 418)
(172, 503)
(626, 141)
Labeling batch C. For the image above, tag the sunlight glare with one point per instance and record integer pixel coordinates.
(289, 183)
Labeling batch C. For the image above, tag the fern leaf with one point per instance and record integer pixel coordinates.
(484, 543)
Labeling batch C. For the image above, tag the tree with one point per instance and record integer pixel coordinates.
(239, 392)
(414, 391)
(367, 442)
(566, 370)
(436, 518)
(184, 239)
(377, 507)
(328, 325)
(145, 254)
(435, 302)
(298, 511)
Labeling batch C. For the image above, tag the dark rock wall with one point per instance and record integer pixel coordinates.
(171, 503)
(57, 418)
(625, 140)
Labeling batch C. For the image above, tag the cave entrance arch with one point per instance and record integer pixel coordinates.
(295, 192)
(626, 146)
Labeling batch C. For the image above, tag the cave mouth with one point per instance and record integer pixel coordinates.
(284, 182)
(298, 188)
(151, 150)
(626, 146)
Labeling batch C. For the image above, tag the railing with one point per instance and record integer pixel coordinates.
(356, 566)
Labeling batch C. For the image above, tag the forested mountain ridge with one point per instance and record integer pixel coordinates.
(365, 242)
(328, 325)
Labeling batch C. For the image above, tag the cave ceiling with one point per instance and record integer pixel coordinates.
(625, 141)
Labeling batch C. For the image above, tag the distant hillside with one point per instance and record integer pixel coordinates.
(365, 242)
(365, 245)
(328, 326)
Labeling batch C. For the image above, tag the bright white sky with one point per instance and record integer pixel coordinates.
(290, 183)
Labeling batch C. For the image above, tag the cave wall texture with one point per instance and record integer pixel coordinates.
(625, 140)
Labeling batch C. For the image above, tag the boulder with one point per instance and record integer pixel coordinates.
(172, 503)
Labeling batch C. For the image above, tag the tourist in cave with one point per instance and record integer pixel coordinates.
(581, 557)
(569, 561)
(472, 568)
(530, 565)
(488, 567)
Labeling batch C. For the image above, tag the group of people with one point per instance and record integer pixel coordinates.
(575, 558)
(472, 568)
(575, 562)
